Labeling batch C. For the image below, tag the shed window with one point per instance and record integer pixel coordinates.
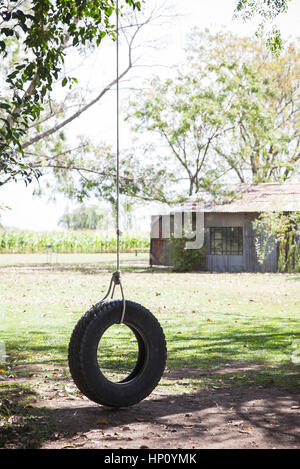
(226, 240)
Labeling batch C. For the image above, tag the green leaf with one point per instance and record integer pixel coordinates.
(4, 106)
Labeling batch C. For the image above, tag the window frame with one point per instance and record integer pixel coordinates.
(224, 245)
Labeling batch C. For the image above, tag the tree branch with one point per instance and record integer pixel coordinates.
(65, 122)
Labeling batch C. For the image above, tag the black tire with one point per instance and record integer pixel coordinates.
(151, 359)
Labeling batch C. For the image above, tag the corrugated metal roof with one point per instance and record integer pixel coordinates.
(265, 197)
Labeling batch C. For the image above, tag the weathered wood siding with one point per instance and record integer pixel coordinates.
(159, 246)
(159, 252)
(232, 263)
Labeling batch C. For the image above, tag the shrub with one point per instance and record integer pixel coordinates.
(284, 230)
(186, 260)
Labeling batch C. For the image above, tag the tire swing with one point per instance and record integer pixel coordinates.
(84, 363)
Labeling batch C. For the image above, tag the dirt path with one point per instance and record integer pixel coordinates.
(244, 418)
(57, 416)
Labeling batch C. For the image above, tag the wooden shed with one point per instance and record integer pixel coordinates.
(229, 236)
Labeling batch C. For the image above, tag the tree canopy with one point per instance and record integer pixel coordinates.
(267, 11)
(44, 28)
(231, 113)
(84, 218)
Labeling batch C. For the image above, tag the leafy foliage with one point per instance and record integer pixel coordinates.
(188, 116)
(185, 260)
(43, 27)
(265, 8)
(230, 114)
(284, 230)
(83, 218)
(267, 11)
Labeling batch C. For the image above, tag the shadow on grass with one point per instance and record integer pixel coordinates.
(198, 364)
(262, 346)
(25, 358)
(228, 346)
(21, 424)
(127, 266)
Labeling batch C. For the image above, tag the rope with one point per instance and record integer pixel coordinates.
(116, 280)
(116, 276)
(118, 141)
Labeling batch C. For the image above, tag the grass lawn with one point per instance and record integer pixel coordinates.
(73, 259)
(222, 330)
(211, 321)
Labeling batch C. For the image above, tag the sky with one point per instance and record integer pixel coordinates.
(39, 214)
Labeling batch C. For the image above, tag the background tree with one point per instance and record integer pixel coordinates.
(231, 114)
(80, 167)
(263, 144)
(267, 11)
(33, 136)
(45, 30)
(84, 218)
(187, 115)
(283, 230)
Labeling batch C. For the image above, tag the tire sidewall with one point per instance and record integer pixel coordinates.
(151, 368)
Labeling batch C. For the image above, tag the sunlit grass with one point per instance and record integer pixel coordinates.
(211, 321)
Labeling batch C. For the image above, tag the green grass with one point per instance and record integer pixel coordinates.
(223, 331)
(231, 329)
(75, 260)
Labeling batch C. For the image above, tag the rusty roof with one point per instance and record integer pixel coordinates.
(264, 197)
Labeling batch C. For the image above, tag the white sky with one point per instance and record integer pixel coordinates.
(28, 212)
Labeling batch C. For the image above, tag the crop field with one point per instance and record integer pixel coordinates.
(70, 242)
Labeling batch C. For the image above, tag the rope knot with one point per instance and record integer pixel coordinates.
(116, 277)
